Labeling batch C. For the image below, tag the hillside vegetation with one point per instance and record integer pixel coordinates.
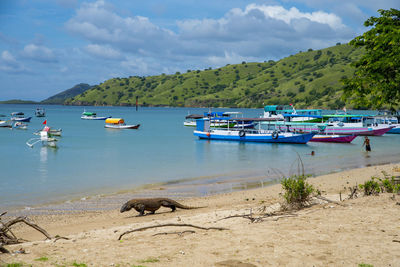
(307, 79)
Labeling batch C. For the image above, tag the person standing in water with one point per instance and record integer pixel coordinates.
(367, 144)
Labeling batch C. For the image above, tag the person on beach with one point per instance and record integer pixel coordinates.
(367, 144)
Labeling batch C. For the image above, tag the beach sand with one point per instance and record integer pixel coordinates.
(362, 230)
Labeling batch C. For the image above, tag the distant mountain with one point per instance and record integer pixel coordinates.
(18, 101)
(61, 97)
(308, 79)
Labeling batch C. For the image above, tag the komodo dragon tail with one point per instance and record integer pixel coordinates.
(169, 201)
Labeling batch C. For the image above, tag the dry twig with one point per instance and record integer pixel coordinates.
(171, 224)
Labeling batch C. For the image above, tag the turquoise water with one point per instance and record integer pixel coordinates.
(93, 160)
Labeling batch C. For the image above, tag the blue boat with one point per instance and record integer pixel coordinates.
(20, 116)
(204, 131)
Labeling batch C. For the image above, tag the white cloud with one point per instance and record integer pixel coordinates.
(105, 52)
(9, 64)
(254, 33)
(39, 53)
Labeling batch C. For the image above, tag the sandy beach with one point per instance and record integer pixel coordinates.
(357, 231)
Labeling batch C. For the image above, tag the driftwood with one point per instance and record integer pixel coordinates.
(276, 215)
(7, 237)
(329, 201)
(176, 233)
(170, 224)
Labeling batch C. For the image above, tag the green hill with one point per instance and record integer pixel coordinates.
(18, 101)
(307, 79)
(61, 97)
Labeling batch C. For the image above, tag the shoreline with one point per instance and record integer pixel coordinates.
(359, 231)
(180, 189)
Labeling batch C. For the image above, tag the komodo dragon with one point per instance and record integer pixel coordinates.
(152, 204)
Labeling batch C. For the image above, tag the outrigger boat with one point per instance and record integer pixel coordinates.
(20, 116)
(118, 123)
(333, 138)
(51, 131)
(204, 131)
(45, 138)
(92, 116)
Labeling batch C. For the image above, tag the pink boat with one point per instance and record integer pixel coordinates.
(330, 138)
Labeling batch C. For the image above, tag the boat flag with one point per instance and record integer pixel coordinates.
(45, 122)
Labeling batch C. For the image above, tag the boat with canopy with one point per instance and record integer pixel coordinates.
(118, 123)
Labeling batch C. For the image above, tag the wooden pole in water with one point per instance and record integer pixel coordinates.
(137, 97)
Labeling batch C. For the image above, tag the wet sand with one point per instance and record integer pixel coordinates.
(362, 230)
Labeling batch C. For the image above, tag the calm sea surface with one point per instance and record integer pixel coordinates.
(93, 160)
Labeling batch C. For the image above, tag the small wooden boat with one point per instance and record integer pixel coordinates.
(20, 116)
(45, 138)
(5, 124)
(333, 138)
(20, 125)
(118, 123)
(92, 116)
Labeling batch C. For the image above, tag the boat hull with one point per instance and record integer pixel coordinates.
(28, 119)
(365, 131)
(395, 130)
(94, 118)
(122, 126)
(255, 137)
(333, 138)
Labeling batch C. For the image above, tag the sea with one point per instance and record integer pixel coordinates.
(93, 160)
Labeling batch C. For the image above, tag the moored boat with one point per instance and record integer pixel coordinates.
(45, 138)
(20, 116)
(20, 125)
(92, 116)
(40, 112)
(333, 138)
(5, 123)
(118, 123)
(204, 131)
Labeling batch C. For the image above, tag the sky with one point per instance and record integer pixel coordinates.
(48, 46)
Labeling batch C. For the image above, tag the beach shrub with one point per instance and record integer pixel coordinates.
(380, 185)
(371, 187)
(297, 191)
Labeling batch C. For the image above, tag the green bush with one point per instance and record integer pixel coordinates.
(371, 187)
(297, 191)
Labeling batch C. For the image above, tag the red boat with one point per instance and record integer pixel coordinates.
(333, 138)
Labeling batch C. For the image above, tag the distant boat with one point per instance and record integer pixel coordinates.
(204, 131)
(118, 123)
(20, 125)
(39, 112)
(20, 116)
(92, 116)
(5, 124)
(45, 138)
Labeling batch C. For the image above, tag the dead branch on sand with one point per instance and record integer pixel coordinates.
(7, 237)
(276, 215)
(353, 192)
(329, 201)
(176, 233)
(171, 224)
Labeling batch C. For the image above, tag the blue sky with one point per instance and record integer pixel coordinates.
(48, 46)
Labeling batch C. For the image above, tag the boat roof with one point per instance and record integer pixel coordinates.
(302, 115)
(301, 123)
(245, 119)
(232, 113)
(194, 116)
(115, 120)
(89, 113)
(17, 113)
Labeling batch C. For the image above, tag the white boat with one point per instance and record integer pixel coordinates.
(20, 116)
(118, 123)
(92, 116)
(44, 138)
(5, 124)
(204, 131)
(39, 112)
(20, 125)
